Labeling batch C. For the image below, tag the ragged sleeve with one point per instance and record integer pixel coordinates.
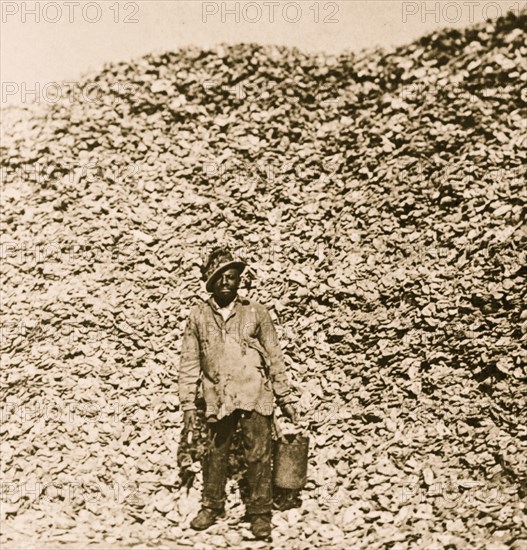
(269, 340)
(189, 368)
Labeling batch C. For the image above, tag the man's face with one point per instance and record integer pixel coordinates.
(226, 286)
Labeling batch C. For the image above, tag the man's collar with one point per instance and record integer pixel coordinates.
(242, 300)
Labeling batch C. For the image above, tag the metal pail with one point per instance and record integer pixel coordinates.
(290, 461)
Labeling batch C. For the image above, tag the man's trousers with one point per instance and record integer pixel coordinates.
(257, 441)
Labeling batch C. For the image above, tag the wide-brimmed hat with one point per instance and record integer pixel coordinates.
(219, 261)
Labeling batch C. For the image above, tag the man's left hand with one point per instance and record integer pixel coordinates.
(290, 412)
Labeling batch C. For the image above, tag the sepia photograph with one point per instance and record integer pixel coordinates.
(263, 275)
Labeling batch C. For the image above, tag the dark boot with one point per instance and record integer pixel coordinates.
(261, 526)
(205, 518)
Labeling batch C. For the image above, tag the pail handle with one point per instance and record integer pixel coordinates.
(280, 434)
(278, 430)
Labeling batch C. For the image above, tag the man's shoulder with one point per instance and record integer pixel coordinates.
(197, 307)
(257, 306)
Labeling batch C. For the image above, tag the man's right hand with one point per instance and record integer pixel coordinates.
(189, 419)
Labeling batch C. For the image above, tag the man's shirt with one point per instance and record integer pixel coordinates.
(238, 359)
(226, 311)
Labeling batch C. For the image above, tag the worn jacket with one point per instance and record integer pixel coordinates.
(239, 360)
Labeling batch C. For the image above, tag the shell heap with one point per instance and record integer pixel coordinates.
(379, 199)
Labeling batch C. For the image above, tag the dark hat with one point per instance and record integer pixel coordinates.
(219, 260)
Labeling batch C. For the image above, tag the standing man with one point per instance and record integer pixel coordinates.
(230, 344)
